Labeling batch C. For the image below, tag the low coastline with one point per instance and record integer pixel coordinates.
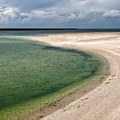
(103, 101)
(72, 92)
(81, 90)
(105, 46)
(95, 81)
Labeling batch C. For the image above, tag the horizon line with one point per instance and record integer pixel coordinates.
(59, 28)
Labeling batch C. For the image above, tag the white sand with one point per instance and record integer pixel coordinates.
(102, 103)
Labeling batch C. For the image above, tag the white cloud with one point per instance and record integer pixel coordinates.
(14, 15)
(6, 14)
(72, 16)
(10, 15)
(42, 14)
(79, 16)
(112, 13)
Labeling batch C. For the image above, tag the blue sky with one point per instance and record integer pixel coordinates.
(63, 13)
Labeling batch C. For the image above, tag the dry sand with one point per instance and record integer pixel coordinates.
(102, 103)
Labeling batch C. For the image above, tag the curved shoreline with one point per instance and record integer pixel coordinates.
(67, 100)
(102, 103)
(88, 85)
(93, 82)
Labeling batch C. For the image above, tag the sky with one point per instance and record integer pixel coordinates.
(60, 13)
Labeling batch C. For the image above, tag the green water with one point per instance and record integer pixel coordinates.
(30, 70)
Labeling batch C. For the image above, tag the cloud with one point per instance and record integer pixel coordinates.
(43, 14)
(11, 15)
(7, 14)
(28, 5)
(15, 16)
(112, 13)
(110, 4)
(61, 13)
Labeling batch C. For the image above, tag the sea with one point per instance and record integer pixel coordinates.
(42, 32)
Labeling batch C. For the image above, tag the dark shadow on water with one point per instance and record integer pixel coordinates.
(65, 50)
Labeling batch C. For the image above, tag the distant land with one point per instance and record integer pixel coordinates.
(19, 29)
(74, 29)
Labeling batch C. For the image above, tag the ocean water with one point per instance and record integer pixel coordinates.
(45, 32)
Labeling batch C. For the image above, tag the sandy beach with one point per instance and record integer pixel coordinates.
(102, 103)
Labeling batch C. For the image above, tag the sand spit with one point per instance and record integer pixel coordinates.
(102, 103)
